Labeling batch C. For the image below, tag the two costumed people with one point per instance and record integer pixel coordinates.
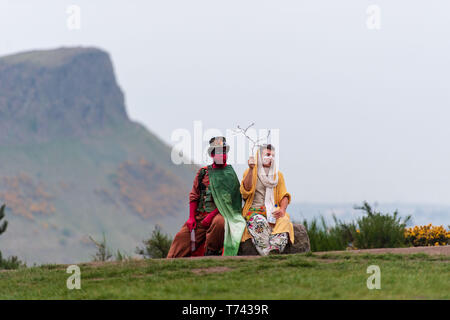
(217, 221)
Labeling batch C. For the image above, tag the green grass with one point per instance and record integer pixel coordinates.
(305, 276)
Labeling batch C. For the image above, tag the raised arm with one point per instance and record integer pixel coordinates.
(248, 180)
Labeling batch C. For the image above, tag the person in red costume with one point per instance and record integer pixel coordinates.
(204, 217)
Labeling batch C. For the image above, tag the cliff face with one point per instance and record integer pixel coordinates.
(72, 164)
(63, 92)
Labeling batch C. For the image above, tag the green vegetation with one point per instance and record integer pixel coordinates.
(377, 230)
(300, 276)
(373, 230)
(325, 238)
(157, 246)
(103, 253)
(428, 235)
(5, 223)
(11, 262)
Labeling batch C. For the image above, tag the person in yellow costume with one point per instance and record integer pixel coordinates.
(266, 200)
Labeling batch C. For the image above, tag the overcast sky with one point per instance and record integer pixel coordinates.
(363, 114)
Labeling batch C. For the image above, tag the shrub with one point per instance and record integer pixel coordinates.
(377, 230)
(103, 253)
(374, 230)
(325, 238)
(121, 256)
(427, 236)
(5, 223)
(157, 246)
(11, 262)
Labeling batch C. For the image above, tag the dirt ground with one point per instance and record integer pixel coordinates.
(444, 250)
(441, 250)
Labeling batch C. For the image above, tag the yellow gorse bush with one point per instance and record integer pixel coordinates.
(428, 235)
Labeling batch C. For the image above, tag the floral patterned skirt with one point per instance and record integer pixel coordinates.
(261, 233)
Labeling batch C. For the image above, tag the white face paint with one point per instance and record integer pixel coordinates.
(267, 157)
(267, 160)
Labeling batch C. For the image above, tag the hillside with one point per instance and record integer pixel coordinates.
(73, 164)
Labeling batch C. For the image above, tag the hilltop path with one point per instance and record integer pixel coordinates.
(443, 250)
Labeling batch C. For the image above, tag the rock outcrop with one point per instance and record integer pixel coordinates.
(301, 243)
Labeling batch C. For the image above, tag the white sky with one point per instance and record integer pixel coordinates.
(363, 114)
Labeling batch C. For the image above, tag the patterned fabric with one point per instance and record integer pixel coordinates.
(255, 210)
(262, 236)
(206, 201)
(283, 224)
(201, 192)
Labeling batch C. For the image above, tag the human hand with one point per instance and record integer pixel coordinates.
(191, 223)
(251, 162)
(206, 222)
(279, 213)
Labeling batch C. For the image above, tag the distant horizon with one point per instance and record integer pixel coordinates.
(422, 214)
(378, 202)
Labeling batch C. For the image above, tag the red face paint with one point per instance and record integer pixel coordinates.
(220, 159)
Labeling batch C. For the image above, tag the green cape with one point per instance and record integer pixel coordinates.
(224, 186)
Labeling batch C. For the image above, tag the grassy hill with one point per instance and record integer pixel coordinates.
(301, 276)
(72, 164)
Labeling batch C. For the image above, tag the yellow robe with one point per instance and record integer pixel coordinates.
(283, 224)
